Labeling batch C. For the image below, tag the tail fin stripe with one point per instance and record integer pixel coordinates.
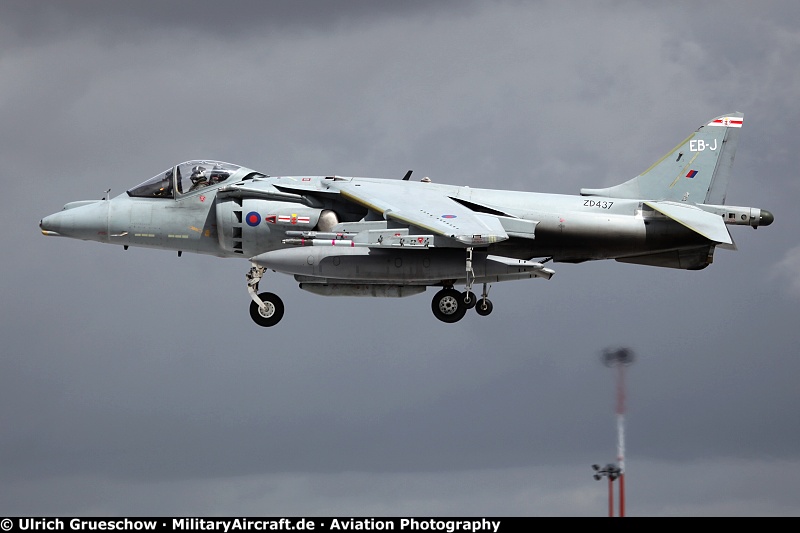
(729, 122)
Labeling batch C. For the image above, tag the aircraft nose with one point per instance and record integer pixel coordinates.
(81, 220)
(766, 218)
(51, 225)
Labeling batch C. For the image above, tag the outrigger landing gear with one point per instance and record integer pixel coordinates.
(484, 305)
(468, 297)
(266, 309)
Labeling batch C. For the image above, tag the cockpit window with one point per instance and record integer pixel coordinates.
(159, 186)
(188, 177)
(194, 175)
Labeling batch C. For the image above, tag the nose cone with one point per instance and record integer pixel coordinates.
(766, 218)
(51, 225)
(87, 221)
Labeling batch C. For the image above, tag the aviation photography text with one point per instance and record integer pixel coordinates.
(225, 525)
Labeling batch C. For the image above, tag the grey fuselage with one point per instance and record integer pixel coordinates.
(567, 228)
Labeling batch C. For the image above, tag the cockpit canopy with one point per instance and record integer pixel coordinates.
(186, 178)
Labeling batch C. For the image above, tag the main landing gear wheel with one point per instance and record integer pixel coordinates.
(484, 306)
(270, 313)
(448, 306)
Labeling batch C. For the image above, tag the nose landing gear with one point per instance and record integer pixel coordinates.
(266, 309)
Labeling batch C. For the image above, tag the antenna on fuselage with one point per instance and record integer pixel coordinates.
(408, 175)
(108, 194)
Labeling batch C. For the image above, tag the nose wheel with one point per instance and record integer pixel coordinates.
(269, 312)
(266, 309)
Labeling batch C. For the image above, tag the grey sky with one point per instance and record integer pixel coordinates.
(133, 382)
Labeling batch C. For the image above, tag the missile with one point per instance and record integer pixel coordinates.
(321, 242)
(319, 235)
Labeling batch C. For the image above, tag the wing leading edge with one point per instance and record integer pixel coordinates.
(431, 210)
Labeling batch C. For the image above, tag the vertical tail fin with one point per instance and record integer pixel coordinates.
(696, 171)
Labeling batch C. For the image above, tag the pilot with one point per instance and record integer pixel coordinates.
(198, 177)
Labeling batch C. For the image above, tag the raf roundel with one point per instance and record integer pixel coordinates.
(253, 219)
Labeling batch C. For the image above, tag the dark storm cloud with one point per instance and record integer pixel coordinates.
(51, 21)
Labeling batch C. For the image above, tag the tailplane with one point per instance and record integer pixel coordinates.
(696, 171)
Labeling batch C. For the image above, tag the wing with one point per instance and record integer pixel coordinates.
(427, 207)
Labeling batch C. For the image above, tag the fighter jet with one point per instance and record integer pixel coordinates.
(351, 236)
